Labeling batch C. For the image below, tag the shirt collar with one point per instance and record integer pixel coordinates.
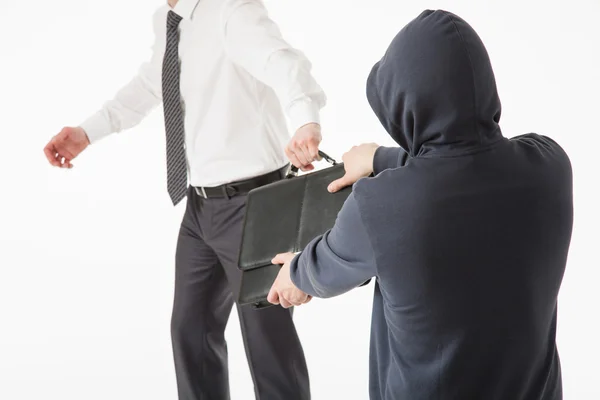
(185, 8)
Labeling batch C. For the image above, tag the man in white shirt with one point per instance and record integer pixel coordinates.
(222, 71)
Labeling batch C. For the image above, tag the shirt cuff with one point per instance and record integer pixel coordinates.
(96, 127)
(302, 112)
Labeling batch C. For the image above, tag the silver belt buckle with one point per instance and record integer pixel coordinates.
(201, 192)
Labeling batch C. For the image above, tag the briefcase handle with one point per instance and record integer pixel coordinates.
(294, 170)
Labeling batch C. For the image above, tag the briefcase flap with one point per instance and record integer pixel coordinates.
(286, 215)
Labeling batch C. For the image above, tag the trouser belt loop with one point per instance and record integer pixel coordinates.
(200, 192)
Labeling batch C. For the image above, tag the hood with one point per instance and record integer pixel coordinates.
(434, 90)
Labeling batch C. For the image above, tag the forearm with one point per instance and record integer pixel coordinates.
(307, 273)
(254, 42)
(338, 261)
(127, 109)
(288, 73)
(136, 99)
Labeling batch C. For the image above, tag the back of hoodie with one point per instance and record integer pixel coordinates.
(470, 231)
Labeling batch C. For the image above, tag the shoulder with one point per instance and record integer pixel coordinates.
(387, 188)
(159, 17)
(541, 142)
(229, 7)
(543, 150)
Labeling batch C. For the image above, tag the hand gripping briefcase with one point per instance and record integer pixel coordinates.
(282, 217)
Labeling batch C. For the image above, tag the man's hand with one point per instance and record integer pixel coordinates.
(284, 291)
(65, 146)
(303, 149)
(358, 163)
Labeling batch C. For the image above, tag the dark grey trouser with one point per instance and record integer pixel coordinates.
(206, 278)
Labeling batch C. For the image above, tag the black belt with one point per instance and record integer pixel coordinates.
(228, 190)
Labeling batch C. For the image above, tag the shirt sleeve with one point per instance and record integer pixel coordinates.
(254, 42)
(337, 261)
(136, 99)
(388, 157)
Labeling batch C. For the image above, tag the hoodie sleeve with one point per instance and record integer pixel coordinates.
(337, 261)
(388, 157)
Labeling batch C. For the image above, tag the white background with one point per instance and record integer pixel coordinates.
(86, 255)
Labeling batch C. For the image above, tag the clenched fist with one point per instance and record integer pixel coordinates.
(303, 149)
(65, 146)
(283, 291)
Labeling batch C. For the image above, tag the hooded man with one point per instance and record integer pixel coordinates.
(467, 232)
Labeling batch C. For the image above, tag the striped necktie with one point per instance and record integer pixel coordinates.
(173, 110)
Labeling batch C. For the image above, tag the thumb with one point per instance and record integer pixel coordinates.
(273, 296)
(341, 183)
(307, 168)
(279, 259)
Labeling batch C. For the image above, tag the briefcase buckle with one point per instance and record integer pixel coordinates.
(293, 172)
(327, 158)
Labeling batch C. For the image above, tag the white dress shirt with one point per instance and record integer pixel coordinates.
(236, 74)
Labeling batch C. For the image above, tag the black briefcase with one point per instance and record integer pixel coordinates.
(282, 217)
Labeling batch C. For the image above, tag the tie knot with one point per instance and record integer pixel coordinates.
(173, 19)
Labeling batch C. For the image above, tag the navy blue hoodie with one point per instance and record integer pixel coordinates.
(466, 232)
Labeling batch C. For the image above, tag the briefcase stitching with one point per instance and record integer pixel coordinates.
(300, 214)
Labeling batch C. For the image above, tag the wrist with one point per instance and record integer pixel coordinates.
(310, 125)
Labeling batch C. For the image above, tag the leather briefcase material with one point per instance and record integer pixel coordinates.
(284, 217)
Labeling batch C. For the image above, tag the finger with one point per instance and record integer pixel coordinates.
(284, 303)
(313, 150)
(278, 259)
(61, 160)
(66, 158)
(62, 148)
(305, 299)
(290, 297)
(64, 161)
(298, 148)
(293, 159)
(273, 296)
(61, 155)
(50, 152)
(301, 302)
(281, 258)
(297, 300)
(307, 168)
(296, 303)
(305, 156)
(340, 183)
